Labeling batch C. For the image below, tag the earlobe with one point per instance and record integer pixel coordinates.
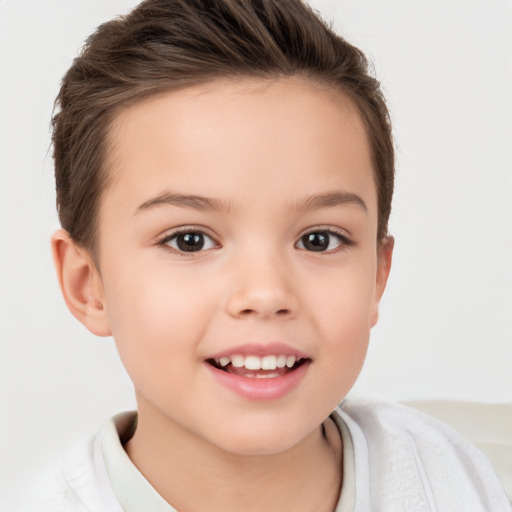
(384, 258)
(80, 283)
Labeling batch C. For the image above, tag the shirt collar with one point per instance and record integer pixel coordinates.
(136, 494)
(133, 491)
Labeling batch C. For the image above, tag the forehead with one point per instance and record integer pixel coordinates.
(246, 136)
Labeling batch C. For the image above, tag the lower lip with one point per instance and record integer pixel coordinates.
(263, 389)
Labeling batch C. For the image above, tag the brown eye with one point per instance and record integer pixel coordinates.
(190, 241)
(318, 241)
(322, 241)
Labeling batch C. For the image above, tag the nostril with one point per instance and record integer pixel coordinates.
(279, 312)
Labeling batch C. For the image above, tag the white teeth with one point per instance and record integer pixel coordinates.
(266, 375)
(281, 361)
(224, 361)
(269, 363)
(253, 363)
(237, 361)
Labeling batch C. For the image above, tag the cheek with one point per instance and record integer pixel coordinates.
(152, 301)
(343, 301)
(156, 322)
(346, 333)
(342, 311)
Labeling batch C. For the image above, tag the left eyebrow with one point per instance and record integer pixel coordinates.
(330, 199)
(184, 201)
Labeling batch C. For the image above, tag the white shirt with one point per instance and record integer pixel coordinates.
(394, 459)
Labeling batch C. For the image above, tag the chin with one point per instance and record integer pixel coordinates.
(255, 441)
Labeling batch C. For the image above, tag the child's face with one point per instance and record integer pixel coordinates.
(242, 220)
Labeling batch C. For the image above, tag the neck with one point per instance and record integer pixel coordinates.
(192, 474)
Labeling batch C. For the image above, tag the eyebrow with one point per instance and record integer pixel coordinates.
(329, 200)
(184, 201)
(202, 203)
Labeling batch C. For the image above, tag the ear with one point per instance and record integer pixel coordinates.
(384, 258)
(80, 283)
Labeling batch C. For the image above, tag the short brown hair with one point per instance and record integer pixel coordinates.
(164, 45)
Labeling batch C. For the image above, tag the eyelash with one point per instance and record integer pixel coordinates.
(344, 241)
(164, 242)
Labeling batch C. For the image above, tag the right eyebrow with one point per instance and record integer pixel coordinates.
(330, 200)
(184, 201)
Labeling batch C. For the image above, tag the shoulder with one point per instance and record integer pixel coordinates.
(77, 482)
(406, 460)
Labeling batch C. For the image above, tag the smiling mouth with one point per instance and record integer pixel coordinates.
(255, 367)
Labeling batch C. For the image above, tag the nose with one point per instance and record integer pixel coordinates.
(262, 289)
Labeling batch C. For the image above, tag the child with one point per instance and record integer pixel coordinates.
(224, 178)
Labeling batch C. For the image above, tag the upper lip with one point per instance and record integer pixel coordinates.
(260, 350)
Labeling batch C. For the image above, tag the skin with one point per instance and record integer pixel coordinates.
(261, 150)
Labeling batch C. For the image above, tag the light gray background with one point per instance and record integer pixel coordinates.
(445, 329)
